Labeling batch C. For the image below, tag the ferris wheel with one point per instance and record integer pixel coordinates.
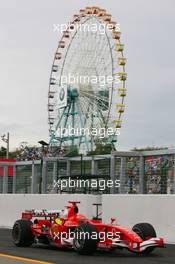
(87, 82)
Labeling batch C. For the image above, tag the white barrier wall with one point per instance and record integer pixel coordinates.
(12, 205)
(159, 210)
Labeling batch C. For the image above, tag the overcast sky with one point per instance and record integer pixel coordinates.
(27, 46)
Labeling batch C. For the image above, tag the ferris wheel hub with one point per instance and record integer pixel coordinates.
(73, 93)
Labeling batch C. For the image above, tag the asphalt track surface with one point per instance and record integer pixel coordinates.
(43, 254)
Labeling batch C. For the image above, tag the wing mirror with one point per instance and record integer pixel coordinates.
(113, 219)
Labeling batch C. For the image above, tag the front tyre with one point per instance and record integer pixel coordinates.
(145, 231)
(86, 239)
(22, 233)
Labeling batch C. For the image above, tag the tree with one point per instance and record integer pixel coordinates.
(101, 149)
(148, 148)
(3, 152)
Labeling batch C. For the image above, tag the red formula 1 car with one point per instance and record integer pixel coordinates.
(68, 228)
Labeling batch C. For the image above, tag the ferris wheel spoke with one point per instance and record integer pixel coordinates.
(97, 104)
(95, 96)
(94, 101)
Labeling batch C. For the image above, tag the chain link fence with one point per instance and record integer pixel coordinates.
(149, 172)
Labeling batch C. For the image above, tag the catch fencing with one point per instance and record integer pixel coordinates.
(148, 172)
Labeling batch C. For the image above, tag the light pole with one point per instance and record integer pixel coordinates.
(6, 140)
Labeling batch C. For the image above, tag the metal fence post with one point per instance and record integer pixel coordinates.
(14, 179)
(93, 166)
(55, 167)
(122, 175)
(68, 168)
(112, 174)
(44, 175)
(142, 183)
(173, 189)
(34, 188)
(5, 180)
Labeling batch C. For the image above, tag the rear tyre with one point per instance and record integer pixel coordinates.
(86, 239)
(145, 231)
(22, 233)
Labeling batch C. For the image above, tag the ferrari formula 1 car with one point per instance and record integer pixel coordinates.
(68, 228)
